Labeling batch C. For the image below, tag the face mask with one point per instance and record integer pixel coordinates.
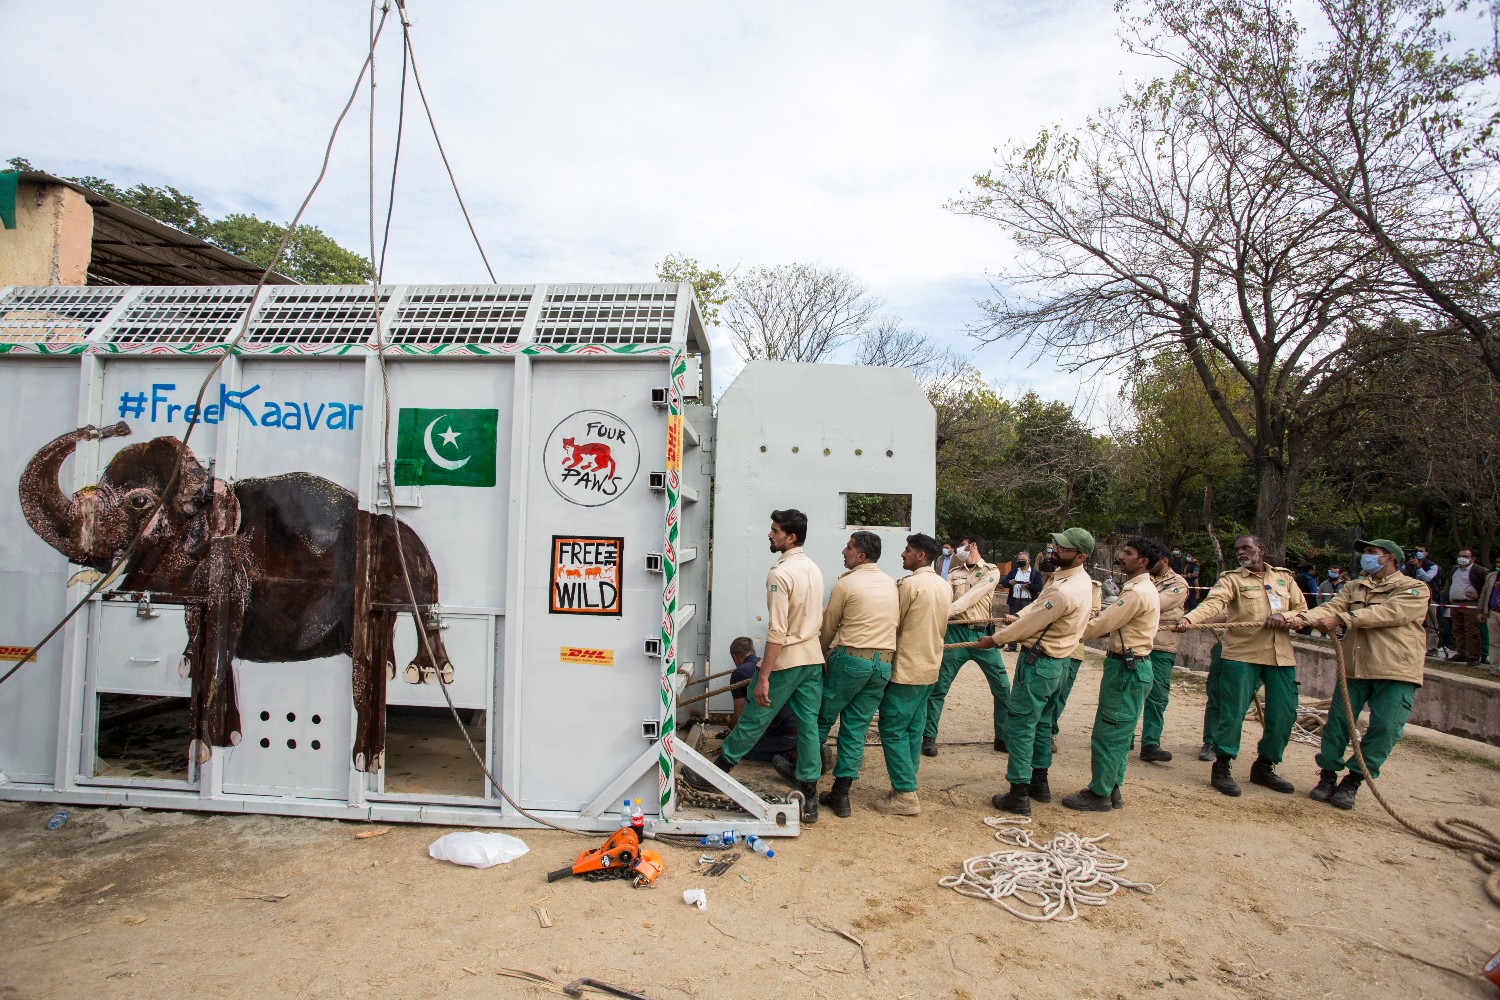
(1333, 574)
(1177, 552)
(947, 551)
(1369, 562)
(1464, 560)
(963, 552)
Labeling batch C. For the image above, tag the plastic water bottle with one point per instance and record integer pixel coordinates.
(725, 839)
(625, 813)
(638, 818)
(58, 819)
(759, 846)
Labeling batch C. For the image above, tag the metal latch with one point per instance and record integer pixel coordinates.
(143, 608)
(432, 621)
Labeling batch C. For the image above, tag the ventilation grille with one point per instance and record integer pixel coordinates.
(54, 315)
(607, 314)
(331, 314)
(461, 314)
(207, 314)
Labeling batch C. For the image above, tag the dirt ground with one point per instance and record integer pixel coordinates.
(1261, 896)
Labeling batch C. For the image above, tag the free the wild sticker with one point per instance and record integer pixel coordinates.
(586, 575)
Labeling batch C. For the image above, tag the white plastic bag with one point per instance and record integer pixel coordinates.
(695, 897)
(477, 850)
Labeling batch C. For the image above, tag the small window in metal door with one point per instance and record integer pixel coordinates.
(140, 736)
(877, 510)
(425, 754)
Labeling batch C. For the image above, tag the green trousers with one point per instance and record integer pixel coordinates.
(903, 716)
(1211, 689)
(1238, 682)
(1157, 697)
(1122, 693)
(989, 660)
(1390, 705)
(802, 688)
(1028, 729)
(852, 687)
(1059, 701)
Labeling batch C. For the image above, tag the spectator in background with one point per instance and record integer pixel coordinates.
(1021, 585)
(1332, 585)
(1192, 573)
(1463, 593)
(1176, 562)
(1489, 603)
(1307, 582)
(946, 561)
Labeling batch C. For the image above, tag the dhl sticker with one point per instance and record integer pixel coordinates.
(674, 442)
(14, 652)
(578, 654)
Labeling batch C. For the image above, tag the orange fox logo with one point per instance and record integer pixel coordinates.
(597, 456)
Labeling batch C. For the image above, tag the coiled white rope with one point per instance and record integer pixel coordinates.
(1052, 880)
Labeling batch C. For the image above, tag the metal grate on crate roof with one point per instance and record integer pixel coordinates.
(205, 314)
(317, 314)
(607, 314)
(55, 314)
(461, 314)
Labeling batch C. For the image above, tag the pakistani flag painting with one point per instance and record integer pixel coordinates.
(446, 447)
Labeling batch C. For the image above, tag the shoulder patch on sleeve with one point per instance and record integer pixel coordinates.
(1414, 591)
(1176, 590)
(1047, 605)
(773, 588)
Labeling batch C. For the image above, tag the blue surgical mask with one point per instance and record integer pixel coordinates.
(1333, 574)
(1369, 562)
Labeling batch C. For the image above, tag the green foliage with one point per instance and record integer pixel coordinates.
(709, 283)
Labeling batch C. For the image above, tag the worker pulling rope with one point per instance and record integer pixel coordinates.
(1051, 880)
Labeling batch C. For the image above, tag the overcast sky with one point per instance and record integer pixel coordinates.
(589, 139)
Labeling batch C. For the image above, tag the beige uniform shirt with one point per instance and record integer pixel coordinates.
(1096, 602)
(1135, 616)
(1172, 590)
(923, 598)
(794, 598)
(973, 591)
(1062, 609)
(862, 611)
(1251, 597)
(1385, 637)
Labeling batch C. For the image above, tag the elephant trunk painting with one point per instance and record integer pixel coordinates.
(273, 570)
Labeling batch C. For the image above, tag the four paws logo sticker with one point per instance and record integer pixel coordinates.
(591, 457)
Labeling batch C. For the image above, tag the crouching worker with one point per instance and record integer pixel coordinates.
(791, 671)
(1384, 641)
(780, 736)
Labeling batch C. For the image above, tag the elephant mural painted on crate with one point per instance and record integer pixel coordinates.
(273, 570)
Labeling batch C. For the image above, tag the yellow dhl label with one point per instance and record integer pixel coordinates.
(674, 443)
(598, 657)
(13, 652)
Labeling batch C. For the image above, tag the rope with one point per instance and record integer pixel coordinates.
(1051, 880)
(1210, 625)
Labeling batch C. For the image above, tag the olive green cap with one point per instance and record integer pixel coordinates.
(1077, 539)
(1382, 543)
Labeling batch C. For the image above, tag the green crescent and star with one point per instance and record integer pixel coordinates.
(446, 447)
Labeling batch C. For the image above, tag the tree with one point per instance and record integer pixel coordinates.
(711, 285)
(796, 312)
(1163, 226)
(1393, 124)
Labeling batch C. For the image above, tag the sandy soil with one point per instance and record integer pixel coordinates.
(1263, 896)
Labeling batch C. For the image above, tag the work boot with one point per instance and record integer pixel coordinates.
(837, 797)
(1263, 772)
(1000, 746)
(809, 790)
(1206, 752)
(1038, 788)
(1153, 753)
(1323, 790)
(1343, 796)
(784, 767)
(929, 746)
(1221, 779)
(1017, 800)
(828, 756)
(899, 804)
(696, 781)
(1116, 800)
(1086, 801)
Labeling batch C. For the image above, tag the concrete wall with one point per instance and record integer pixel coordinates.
(53, 239)
(1450, 703)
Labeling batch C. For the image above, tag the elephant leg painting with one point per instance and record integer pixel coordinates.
(275, 570)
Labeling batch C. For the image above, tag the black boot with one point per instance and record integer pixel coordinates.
(809, 790)
(837, 797)
(1000, 747)
(1263, 772)
(1039, 789)
(1153, 753)
(784, 767)
(1086, 801)
(1222, 779)
(1206, 752)
(1017, 800)
(1323, 790)
(1343, 796)
(693, 780)
(1116, 800)
(929, 746)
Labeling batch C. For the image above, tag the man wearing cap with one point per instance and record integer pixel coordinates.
(1130, 624)
(1059, 699)
(1171, 593)
(1381, 615)
(973, 584)
(1048, 629)
(1252, 592)
(859, 641)
(923, 597)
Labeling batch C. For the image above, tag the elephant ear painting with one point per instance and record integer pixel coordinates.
(273, 570)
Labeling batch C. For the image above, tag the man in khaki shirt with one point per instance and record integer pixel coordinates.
(1052, 625)
(859, 642)
(923, 598)
(969, 614)
(791, 671)
(1131, 625)
(1059, 700)
(1382, 615)
(1172, 592)
(1252, 657)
